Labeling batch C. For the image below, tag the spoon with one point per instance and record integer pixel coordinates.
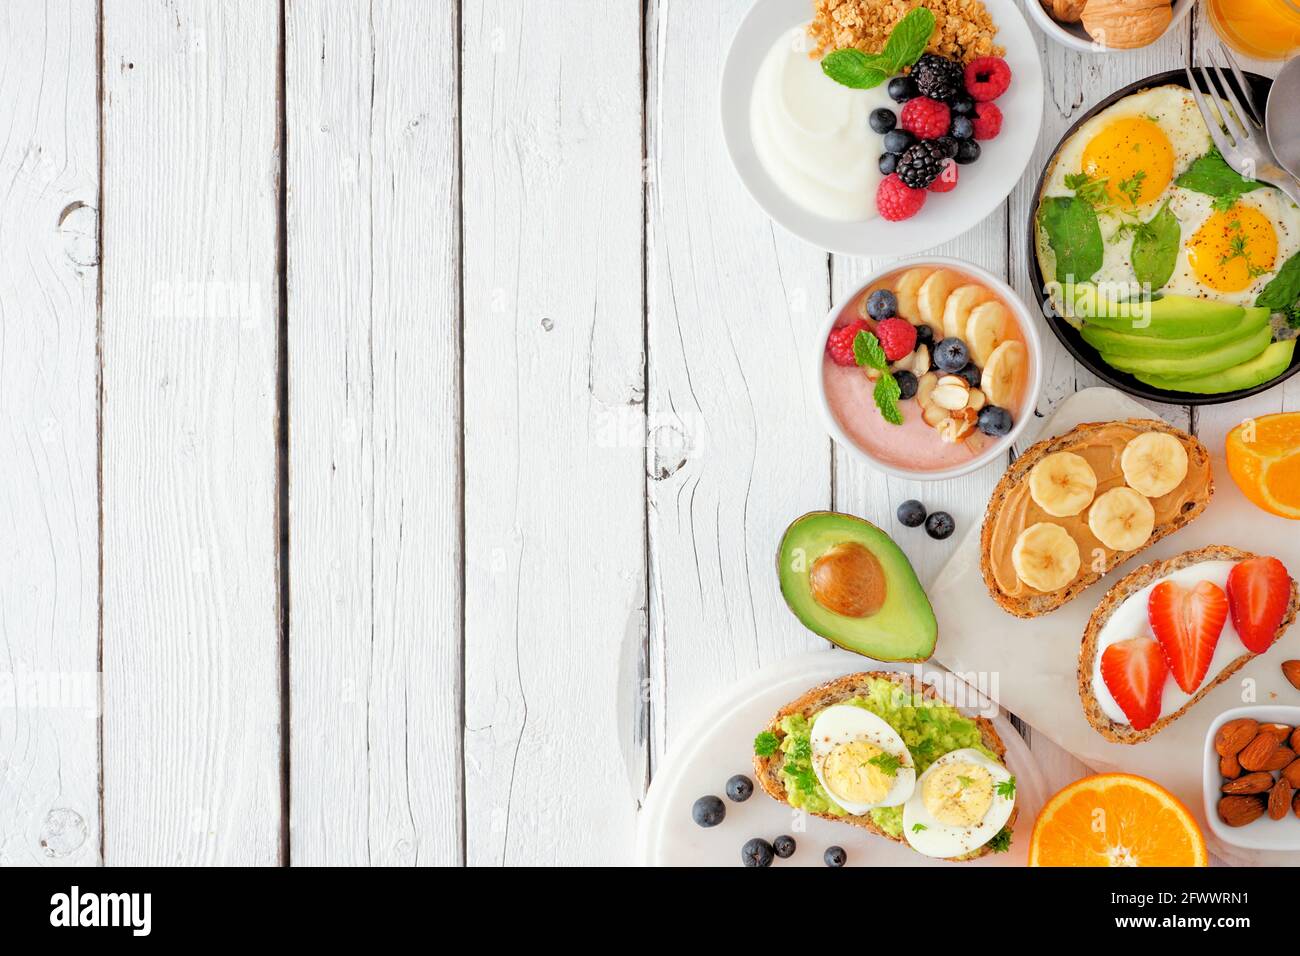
(1282, 119)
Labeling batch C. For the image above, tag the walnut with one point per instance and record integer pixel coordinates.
(1126, 24)
(1066, 11)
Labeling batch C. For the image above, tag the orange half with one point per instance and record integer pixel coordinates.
(1264, 460)
(1116, 819)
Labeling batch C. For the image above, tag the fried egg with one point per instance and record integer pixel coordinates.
(1129, 156)
(860, 761)
(961, 802)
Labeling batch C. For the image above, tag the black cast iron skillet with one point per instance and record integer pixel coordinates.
(1086, 355)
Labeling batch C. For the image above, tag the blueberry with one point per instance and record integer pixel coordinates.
(740, 788)
(962, 127)
(906, 384)
(756, 852)
(888, 163)
(708, 811)
(911, 513)
(898, 141)
(967, 151)
(902, 88)
(924, 336)
(835, 856)
(994, 421)
(882, 120)
(948, 145)
(951, 355)
(971, 374)
(940, 525)
(783, 846)
(882, 304)
(963, 105)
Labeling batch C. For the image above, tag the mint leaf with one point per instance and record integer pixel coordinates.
(765, 744)
(1283, 290)
(1210, 174)
(868, 351)
(855, 69)
(1155, 248)
(1074, 235)
(887, 394)
(909, 38)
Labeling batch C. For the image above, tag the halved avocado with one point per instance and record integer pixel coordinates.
(1137, 345)
(848, 581)
(1162, 316)
(1265, 367)
(1204, 363)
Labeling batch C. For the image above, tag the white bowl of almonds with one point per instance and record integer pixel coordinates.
(1106, 26)
(931, 369)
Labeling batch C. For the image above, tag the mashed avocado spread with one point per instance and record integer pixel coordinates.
(928, 727)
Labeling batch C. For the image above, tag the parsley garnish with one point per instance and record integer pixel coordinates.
(1007, 788)
(887, 763)
(868, 352)
(1132, 187)
(765, 744)
(1002, 842)
(965, 781)
(918, 827)
(1090, 190)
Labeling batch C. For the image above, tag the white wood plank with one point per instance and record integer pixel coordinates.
(190, 617)
(49, 524)
(555, 430)
(737, 451)
(374, 404)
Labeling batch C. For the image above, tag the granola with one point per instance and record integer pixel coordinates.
(963, 28)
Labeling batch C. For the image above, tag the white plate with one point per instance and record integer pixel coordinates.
(981, 187)
(721, 744)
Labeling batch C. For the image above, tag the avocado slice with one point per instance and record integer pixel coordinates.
(1242, 350)
(1140, 346)
(1163, 316)
(1265, 367)
(847, 580)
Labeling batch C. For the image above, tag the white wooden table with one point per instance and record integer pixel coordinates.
(400, 405)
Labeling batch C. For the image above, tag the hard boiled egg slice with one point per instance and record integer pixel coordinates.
(860, 760)
(960, 803)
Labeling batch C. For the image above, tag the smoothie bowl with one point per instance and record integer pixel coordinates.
(929, 370)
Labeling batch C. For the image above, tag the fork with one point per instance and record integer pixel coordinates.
(1238, 132)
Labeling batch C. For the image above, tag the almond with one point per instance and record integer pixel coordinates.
(1234, 735)
(1229, 767)
(1256, 754)
(1295, 803)
(1257, 782)
(1237, 811)
(1292, 774)
(1291, 671)
(1282, 757)
(1279, 799)
(1295, 740)
(1281, 731)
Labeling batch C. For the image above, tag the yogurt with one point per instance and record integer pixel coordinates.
(812, 134)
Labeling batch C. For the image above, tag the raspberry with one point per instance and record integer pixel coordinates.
(897, 336)
(988, 120)
(925, 117)
(840, 342)
(946, 181)
(896, 201)
(987, 77)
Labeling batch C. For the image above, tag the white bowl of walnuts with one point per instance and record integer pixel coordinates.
(1106, 26)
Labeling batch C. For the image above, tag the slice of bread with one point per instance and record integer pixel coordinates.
(767, 769)
(1035, 604)
(1125, 587)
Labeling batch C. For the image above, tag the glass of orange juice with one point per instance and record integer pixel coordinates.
(1265, 29)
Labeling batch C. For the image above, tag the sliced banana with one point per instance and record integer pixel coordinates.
(957, 310)
(925, 385)
(932, 298)
(989, 325)
(1122, 519)
(905, 291)
(1045, 557)
(1004, 372)
(1154, 463)
(1062, 484)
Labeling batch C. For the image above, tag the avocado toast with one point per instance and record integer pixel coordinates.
(929, 726)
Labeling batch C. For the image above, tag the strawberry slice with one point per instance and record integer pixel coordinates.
(1259, 592)
(1187, 623)
(1135, 673)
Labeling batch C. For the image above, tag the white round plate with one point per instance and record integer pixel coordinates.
(981, 186)
(722, 744)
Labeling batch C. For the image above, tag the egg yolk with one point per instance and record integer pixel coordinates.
(1134, 157)
(1233, 248)
(851, 775)
(958, 794)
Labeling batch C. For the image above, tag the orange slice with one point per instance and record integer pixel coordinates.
(1116, 819)
(1264, 460)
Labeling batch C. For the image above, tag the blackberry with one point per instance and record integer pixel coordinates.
(938, 77)
(921, 164)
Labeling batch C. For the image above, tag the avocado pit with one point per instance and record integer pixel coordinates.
(848, 580)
